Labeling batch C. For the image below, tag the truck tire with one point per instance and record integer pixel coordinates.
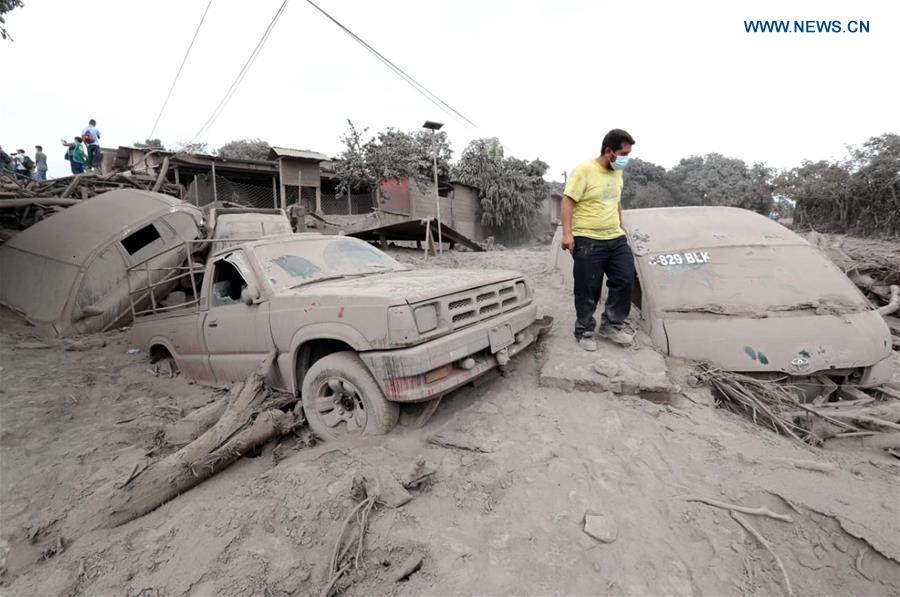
(342, 399)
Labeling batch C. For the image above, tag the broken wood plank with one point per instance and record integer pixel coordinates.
(72, 185)
(163, 171)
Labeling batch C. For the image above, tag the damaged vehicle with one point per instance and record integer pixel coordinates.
(69, 273)
(732, 288)
(355, 332)
(224, 223)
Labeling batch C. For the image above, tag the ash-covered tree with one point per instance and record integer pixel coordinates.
(646, 185)
(714, 179)
(7, 6)
(245, 149)
(188, 147)
(511, 190)
(859, 194)
(150, 143)
(390, 154)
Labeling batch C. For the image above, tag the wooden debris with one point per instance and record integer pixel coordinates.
(25, 202)
(761, 511)
(765, 543)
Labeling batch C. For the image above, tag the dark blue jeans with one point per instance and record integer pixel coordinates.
(593, 260)
(94, 156)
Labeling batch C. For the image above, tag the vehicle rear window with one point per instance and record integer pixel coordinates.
(136, 241)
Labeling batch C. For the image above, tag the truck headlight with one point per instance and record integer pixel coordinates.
(401, 324)
(426, 318)
(522, 292)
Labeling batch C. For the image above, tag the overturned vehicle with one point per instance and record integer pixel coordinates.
(732, 288)
(355, 332)
(68, 274)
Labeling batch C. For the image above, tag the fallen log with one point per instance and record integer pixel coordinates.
(893, 303)
(248, 422)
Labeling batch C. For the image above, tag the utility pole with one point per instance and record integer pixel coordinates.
(434, 127)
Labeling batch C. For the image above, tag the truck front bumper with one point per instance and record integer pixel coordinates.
(432, 369)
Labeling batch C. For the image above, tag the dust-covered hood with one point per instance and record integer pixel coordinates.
(797, 344)
(407, 286)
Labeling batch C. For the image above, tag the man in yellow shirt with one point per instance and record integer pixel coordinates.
(592, 230)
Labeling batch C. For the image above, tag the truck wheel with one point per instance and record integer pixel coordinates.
(341, 399)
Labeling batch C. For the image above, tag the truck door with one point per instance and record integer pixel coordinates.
(237, 335)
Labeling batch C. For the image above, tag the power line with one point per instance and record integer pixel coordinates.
(240, 76)
(424, 91)
(178, 74)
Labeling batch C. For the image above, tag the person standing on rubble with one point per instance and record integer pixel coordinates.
(24, 164)
(5, 160)
(40, 163)
(75, 155)
(91, 137)
(592, 231)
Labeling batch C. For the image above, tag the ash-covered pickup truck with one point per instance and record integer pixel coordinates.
(355, 332)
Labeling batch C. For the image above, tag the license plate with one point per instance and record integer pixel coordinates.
(500, 337)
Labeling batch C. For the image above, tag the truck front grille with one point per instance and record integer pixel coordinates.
(467, 308)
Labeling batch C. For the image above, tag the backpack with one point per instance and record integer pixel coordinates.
(87, 137)
(69, 152)
(28, 163)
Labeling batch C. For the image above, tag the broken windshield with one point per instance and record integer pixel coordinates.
(747, 280)
(294, 263)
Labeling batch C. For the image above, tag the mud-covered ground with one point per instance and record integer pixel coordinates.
(502, 515)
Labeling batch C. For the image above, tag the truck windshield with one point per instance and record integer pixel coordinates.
(293, 263)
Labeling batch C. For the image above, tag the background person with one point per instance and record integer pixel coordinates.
(75, 155)
(40, 163)
(91, 137)
(24, 164)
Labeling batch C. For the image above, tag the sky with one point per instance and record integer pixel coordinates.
(548, 78)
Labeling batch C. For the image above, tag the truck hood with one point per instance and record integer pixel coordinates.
(795, 344)
(406, 286)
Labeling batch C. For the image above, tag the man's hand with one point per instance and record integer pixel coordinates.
(568, 243)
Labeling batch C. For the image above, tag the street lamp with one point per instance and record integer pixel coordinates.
(434, 127)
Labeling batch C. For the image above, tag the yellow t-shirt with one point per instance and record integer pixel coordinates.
(596, 192)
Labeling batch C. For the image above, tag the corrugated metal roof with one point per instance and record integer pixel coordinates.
(303, 154)
(72, 235)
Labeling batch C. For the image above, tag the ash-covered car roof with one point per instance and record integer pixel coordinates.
(659, 229)
(71, 236)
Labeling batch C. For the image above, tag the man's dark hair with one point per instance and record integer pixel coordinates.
(93, 122)
(614, 139)
(39, 148)
(78, 139)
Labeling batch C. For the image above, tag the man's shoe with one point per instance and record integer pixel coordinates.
(587, 342)
(615, 333)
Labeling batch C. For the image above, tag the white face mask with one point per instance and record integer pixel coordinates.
(620, 162)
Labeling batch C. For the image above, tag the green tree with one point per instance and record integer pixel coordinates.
(511, 190)
(150, 143)
(245, 149)
(5, 7)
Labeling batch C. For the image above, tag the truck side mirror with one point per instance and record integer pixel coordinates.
(250, 294)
